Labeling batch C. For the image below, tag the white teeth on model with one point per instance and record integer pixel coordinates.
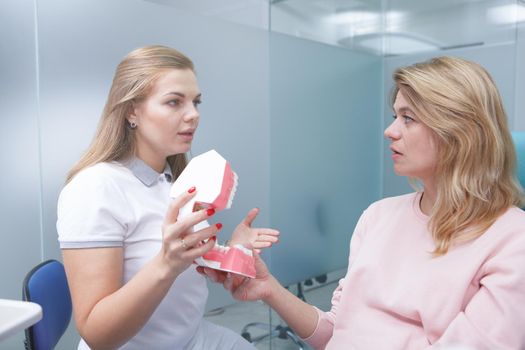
(243, 249)
(212, 264)
(233, 190)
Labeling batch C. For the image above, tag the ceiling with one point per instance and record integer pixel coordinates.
(382, 27)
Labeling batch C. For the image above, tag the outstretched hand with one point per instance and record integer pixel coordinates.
(253, 237)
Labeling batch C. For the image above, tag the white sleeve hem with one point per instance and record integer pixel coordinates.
(90, 244)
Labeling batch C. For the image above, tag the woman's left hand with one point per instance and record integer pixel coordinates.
(253, 237)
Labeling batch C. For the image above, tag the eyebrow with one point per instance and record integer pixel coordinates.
(404, 110)
(180, 94)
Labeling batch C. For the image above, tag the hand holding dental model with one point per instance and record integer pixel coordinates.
(216, 184)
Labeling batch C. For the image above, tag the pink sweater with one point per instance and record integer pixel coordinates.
(395, 295)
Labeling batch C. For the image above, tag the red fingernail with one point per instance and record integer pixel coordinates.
(214, 238)
(218, 225)
(192, 189)
(210, 212)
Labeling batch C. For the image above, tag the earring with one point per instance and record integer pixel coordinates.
(133, 125)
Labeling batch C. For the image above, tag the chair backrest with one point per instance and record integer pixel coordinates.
(46, 285)
(519, 143)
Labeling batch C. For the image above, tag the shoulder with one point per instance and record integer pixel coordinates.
(92, 209)
(95, 181)
(505, 238)
(511, 223)
(101, 173)
(514, 215)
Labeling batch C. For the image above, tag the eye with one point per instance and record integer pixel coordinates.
(173, 103)
(196, 103)
(407, 119)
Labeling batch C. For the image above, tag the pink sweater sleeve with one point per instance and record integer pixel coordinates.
(494, 318)
(325, 321)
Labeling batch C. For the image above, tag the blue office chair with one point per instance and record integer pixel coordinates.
(46, 285)
(519, 143)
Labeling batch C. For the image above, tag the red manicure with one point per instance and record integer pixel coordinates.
(192, 189)
(210, 211)
(218, 225)
(214, 238)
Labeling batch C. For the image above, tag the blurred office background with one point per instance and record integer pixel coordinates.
(296, 96)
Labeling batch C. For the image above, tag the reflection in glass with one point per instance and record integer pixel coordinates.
(397, 27)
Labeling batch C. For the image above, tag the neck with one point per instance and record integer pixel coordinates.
(156, 163)
(428, 199)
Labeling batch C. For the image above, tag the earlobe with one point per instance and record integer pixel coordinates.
(132, 118)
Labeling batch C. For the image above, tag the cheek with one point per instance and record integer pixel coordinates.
(430, 151)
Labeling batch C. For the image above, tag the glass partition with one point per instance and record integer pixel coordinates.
(20, 214)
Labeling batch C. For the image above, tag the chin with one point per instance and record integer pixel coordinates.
(181, 149)
(398, 172)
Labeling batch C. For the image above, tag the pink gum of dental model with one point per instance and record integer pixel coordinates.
(232, 259)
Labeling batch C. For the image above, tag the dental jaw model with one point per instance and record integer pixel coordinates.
(216, 185)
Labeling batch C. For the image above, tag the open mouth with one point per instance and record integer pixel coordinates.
(187, 134)
(395, 152)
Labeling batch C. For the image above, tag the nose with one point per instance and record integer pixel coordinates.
(191, 114)
(392, 131)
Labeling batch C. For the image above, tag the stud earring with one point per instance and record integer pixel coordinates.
(133, 125)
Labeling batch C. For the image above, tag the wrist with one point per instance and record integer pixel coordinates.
(273, 291)
(165, 272)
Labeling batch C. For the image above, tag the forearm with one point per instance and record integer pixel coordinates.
(116, 318)
(297, 314)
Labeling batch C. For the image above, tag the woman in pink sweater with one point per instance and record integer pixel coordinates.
(441, 267)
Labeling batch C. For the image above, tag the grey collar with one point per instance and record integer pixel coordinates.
(145, 173)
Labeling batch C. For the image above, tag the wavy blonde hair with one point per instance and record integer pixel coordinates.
(114, 140)
(476, 163)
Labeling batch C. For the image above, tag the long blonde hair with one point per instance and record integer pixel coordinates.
(476, 163)
(135, 75)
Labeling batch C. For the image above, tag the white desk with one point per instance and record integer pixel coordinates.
(16, 315)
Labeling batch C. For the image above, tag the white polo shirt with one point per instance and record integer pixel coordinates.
(116, 205)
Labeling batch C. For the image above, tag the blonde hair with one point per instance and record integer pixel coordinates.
(114, 140)
(476, 163)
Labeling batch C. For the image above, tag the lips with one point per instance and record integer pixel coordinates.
(394, 150)
(187, 135)
(187, 132)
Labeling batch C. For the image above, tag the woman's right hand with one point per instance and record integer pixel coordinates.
(244, 288)
(180, 245)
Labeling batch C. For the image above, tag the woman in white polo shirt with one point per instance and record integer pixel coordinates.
(126, 262)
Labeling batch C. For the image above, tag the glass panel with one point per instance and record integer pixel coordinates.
(334, 22)
(20, 248)
(325, 157)
(252, 13)
(398, 27)
(324, 150)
